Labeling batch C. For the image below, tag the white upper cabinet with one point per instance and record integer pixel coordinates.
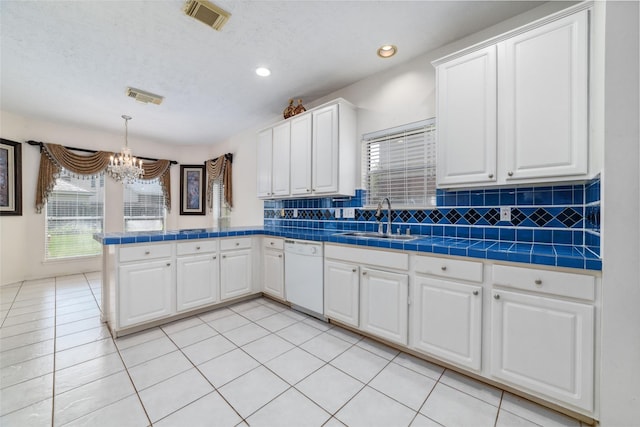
(301, 155)
(325, 162)
(516, 110)
(273, 161)
(280, 160)
(467, 129)
(543, 100)
(263, 156)
(320, 157)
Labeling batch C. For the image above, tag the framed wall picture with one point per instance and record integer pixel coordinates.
(192, 189)
(10, 177)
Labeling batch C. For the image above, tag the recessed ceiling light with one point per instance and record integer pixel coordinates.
(387, 51)
(263, 72)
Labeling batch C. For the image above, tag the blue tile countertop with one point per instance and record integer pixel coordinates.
(540, 254)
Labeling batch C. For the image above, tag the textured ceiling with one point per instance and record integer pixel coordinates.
(71, 61)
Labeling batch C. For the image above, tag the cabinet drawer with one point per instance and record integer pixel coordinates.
(544, 281)
(137, 253)
(273, 243)
(449, 268)
(197, 247)
(380, 259)
(235, 243)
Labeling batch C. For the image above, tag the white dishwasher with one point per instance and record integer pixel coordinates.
(303, 276)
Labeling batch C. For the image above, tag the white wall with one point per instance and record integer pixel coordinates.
(620, 349)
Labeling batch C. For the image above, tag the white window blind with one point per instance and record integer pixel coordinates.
(144, 206)
(400, 163)
(75, 211)
(221, 211)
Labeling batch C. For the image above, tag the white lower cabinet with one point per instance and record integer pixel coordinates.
(235, 274)
(544, 345)
(342, 292)
(145, 291)
(273, 272)
(198, 281)
(384, 304)
(375, 300)
(446, 320)
(446, 309)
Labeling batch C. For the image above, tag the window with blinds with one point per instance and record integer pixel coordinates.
(144, 206)
(400, 163)
(221, 211)
(74, 211)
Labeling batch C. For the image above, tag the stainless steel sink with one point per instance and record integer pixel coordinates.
(372, 235)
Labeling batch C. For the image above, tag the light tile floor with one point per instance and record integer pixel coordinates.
(255, 363)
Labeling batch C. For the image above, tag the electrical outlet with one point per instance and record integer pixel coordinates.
(349, 212)
(337, 212)
(295, 213)
(505, 214)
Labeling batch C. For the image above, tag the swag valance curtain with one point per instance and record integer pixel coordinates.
(55, 157)
(220, 168)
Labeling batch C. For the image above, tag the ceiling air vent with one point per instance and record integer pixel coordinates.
(207, 13)
(144, 97)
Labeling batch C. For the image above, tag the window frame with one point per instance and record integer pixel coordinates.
(401, 170)
(160, 204)
(72, 178)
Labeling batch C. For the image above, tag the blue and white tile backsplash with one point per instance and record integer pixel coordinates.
(559, 215)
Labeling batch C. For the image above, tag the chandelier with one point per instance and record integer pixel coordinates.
(124, 167)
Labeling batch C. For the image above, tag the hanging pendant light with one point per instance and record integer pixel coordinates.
(124, 167)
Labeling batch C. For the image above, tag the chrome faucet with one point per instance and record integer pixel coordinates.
(378, 214)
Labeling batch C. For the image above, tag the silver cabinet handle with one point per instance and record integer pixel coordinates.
(224, 256)
(279, 256)
(364, 273)
(510, 173)
(271, 243)
(496, 296)
(168, 264)
(354, 270)
(313, 189)
(308, 190)
(538, 282)
(443, 268)
(147, 252)
(215, 257)
(197, 248)
(237, 244)
(475, 292)
(490, 176)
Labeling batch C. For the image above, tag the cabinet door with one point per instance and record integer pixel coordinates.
(543, 100)
(341, 292)
(544, 345)
(145, 291)
(466, 119)
(324, 170)
(235, 274)
(280, 160)
(198, 281)
(273, 273)
(384, 304)
(446, 321)
(264, 167)
(301, 155)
